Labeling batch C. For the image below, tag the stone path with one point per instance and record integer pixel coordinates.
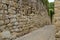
(45, 33)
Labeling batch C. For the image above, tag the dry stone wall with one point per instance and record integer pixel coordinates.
(56, 20)
(19, 17)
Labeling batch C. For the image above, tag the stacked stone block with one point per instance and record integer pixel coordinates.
(19, 17)
(56, 20)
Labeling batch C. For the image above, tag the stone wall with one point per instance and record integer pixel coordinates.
(56, 20)
(19, 17)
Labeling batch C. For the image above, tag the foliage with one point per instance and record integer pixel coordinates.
(51, 5)
(51, 13)
(51, 9)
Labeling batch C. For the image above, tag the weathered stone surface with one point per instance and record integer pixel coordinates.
(10, 24)
(20, 17)
(1, 22)
(1, 16)
(58, 35)
(58, 39)
(11, 11)
(4, 1)
(56, 20)
(6, 34)
(6, 21)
